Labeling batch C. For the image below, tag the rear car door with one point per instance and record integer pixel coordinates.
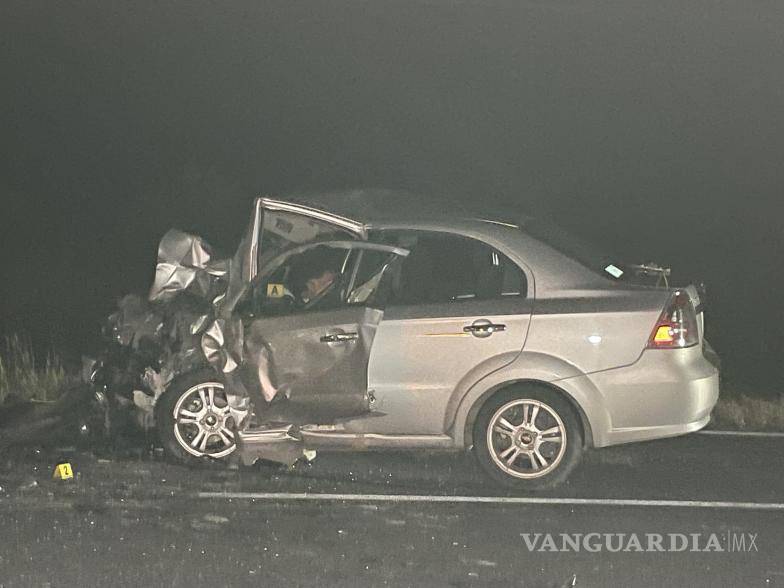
(458, 310)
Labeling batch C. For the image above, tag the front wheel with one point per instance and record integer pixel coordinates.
(193, 420)
(528, 437)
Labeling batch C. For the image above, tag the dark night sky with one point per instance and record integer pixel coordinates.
(656, 128)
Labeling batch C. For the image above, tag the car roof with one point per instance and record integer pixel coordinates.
(376, 208)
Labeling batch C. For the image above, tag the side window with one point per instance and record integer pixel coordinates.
(312, 280)
(282, 230)
(372, 279)
(321, 277)
(445, 267)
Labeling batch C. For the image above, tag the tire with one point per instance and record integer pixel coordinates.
(519, 455)
(206, 437)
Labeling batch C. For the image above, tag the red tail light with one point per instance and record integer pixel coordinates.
(677, 326)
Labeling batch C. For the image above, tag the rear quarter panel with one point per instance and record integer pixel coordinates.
(595, 330)
(574, 333)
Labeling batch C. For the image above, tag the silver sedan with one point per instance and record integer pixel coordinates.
(368, 321)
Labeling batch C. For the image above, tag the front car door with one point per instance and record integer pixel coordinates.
(306, 350)
(274, 226)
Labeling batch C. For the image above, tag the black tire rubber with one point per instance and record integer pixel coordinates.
(570, 418)
(164, 419)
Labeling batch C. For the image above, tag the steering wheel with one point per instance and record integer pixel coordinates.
(320, 296)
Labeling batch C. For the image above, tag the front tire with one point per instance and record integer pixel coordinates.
(193, 421)
(528, 437)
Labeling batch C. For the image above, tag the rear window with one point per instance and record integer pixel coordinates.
(581, 250)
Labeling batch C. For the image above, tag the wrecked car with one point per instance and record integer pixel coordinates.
(365, 321)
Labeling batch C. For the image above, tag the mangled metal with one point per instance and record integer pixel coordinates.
(150, 342)
(283, 370)
(281, 444)
(185, 262)
(148, 345)
(222, 344)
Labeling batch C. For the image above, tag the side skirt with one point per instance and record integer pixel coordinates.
(370, 441)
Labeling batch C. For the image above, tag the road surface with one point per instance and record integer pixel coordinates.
(135, 520)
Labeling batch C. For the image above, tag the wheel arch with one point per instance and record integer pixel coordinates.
(470, 419)
(195, 371)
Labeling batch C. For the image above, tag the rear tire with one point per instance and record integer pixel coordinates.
(528, 436)
(193, 422)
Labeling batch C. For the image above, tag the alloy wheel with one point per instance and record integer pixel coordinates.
(526, 438)
(203, 425)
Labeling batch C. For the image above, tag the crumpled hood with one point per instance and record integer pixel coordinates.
(186, 262)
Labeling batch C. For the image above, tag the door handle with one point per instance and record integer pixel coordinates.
(483, 328)
(339, 338)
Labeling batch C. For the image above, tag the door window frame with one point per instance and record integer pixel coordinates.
(523, 302)
(279, 260)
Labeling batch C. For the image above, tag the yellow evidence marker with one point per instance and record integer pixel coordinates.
(63, 471)
(275, 290)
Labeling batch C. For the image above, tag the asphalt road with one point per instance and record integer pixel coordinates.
(135, 520)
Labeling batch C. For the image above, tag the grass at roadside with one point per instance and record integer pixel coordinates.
(748, 413)
(24, 377)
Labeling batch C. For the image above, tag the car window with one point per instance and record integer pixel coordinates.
(581, 250)
(319, 278)
(372, 280)
(444, 267)
(282, 230)
(308, 281)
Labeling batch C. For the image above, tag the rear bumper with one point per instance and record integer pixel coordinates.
(665, 393)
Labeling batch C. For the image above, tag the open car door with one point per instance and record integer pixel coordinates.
(275, 226)
(308, 359)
